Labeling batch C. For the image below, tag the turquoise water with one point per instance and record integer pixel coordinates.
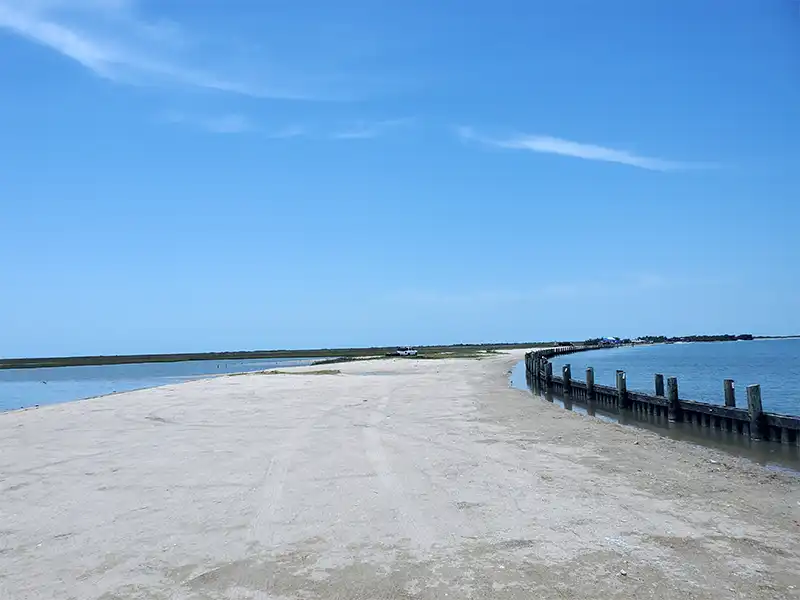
(24, 388)
(701, 369)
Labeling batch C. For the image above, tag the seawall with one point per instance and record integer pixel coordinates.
(665, 402)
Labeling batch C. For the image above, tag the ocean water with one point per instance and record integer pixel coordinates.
(701, 368)
(24, 388)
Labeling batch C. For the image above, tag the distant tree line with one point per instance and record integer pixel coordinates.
(727, 337)
(608, 340)
(663, 339)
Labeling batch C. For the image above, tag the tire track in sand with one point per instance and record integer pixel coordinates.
(263, 527)
(411, 521)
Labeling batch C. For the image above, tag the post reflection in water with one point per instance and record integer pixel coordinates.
(773, 455)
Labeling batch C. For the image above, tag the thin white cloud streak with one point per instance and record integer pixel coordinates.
(292, 131)
(226, 123)
(364, 130)
(553, 145)
(111, 40)
(237, 123)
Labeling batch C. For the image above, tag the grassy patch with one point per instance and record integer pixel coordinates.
(344, 359)
(467, 353)
(317, 372)
(335, 354)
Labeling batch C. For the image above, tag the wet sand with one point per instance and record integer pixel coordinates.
(393, 479)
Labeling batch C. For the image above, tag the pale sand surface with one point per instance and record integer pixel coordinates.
(394, 479)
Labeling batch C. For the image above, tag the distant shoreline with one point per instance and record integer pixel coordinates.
(126, 359)
(321, 353)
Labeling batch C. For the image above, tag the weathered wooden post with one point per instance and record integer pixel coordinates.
(757, 429)
(622, 389)
(590, 383)
(659, 384)
(673, 403)
(730, 393)
(566, 376)
(548, 374)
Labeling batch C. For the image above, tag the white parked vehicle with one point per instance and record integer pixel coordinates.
(406, 351)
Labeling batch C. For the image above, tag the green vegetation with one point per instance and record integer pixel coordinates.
(662, 339)
(697, 338)
(334, 354)
(427, 355)
(342, 359)
(318, 372)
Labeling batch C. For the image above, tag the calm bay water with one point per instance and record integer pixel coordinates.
(23, 388)
(701, 368)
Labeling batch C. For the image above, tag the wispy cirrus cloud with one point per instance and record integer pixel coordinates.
(364, 130)
(115, 41)
(289, 132)
(223, 123)
(552, 145)
(237, 123)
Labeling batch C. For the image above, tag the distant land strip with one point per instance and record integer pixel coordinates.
(321, 353)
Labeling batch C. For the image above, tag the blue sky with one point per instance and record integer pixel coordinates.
(189, 176)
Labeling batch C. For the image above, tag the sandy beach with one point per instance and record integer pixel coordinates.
(391, 479)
